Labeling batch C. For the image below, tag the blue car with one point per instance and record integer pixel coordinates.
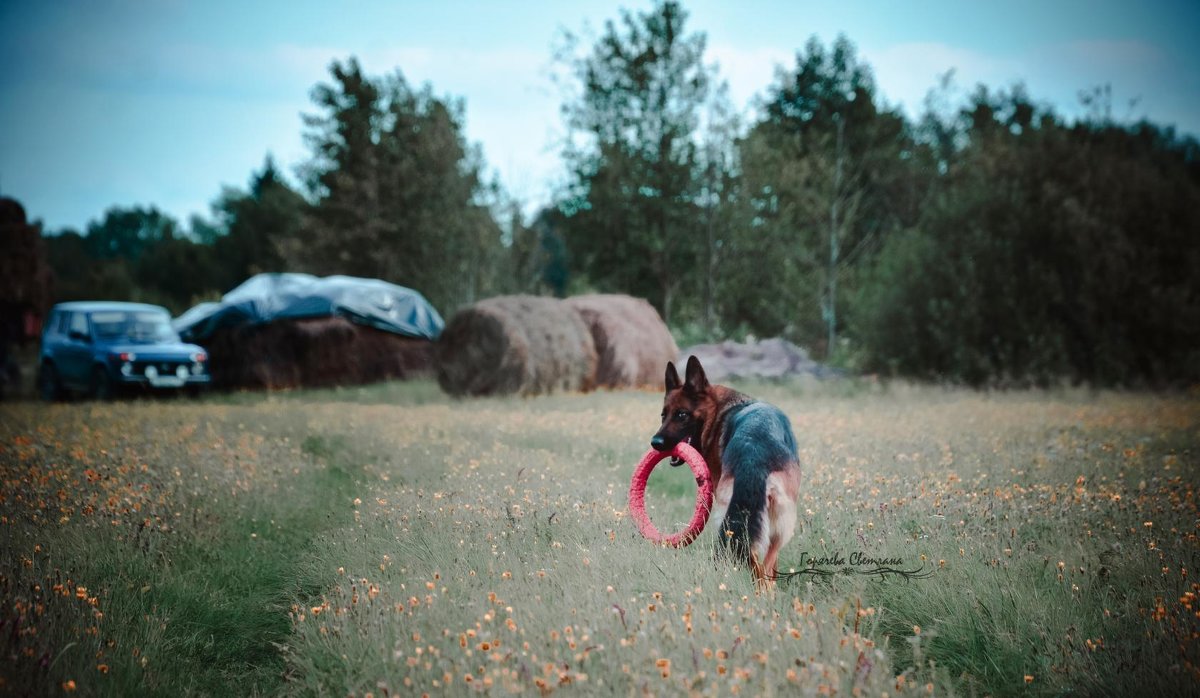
(99, 348)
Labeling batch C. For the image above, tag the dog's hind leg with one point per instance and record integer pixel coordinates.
(779, 525)
(753, 552)
(763, 549)
(760, 556)
(722, 496)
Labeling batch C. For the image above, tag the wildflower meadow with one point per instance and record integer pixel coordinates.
(390, 541)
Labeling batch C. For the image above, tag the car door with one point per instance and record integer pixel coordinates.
(75, 355)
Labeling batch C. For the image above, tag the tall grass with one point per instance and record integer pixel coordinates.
(154, 556)
(389, 541)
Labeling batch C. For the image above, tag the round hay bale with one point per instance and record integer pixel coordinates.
(312, 352)
(633, 344)
(515, 344)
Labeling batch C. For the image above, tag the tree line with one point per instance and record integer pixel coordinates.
(987, 240)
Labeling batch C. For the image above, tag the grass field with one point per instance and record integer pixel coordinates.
(390, 541)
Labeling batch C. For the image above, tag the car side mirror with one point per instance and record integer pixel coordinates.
(79, 336)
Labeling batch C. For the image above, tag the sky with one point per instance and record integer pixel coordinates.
(121, 102)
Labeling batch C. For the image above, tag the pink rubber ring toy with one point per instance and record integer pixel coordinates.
(704, 495)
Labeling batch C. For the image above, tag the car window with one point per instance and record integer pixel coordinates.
(139, 326)
(109, 324)
(156, 326)
(78, 323)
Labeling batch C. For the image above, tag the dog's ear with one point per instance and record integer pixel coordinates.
(673, 381)
(695, 381)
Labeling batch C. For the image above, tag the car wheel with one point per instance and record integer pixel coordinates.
(102, 385)
(49, 384)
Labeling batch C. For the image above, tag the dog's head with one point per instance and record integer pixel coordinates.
(686, 407)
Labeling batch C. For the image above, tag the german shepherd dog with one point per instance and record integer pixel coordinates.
(751, 454)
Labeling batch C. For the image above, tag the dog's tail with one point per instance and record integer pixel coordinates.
(743, 520)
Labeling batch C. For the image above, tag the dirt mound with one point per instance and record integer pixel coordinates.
(769, 358)
(632, 342)
(515, 344)
(312, 352)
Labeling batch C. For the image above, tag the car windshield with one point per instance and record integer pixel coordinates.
(138, 326)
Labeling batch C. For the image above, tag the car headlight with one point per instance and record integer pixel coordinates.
(182, 371)
(151, 372)
(126, 369)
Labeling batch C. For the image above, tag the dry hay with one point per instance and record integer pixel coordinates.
(515, 344)
(633, 344)
(312, 352)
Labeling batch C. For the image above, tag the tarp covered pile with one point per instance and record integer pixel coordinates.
(269, 297)
(291, 330)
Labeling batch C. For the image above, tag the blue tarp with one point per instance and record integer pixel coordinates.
(268, 297)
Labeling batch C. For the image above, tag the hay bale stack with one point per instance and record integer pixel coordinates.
(312, 352)
(515, 344)
(633, 344)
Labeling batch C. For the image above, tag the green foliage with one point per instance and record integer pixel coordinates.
(396, 190)
(539, 254)
(633, 160)
(179, 271)
(823, 180)
(128, 232)
(132, 254)
(1036, 257)
(254, 225)
(989, 245)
